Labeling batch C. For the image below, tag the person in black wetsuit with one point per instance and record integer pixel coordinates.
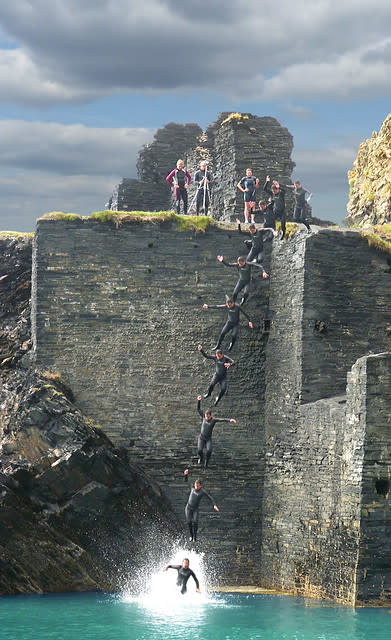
(277, 195)
(232, 323)
(205, 437)
(257, 239)
(265, 210)
(192, 506)
(223, 363)
(300, 210)
(184, 573)
(202, 179)
(244, 271)
(248, 185)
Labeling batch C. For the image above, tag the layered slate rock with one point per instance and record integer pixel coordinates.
(15, 291)
(150, 191)
(74, 513)
(229, 145)
(327, 446)
(370, 180)
(135, 295)
(289, 476)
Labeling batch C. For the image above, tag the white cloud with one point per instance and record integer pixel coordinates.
(73, 168)
(71, 50)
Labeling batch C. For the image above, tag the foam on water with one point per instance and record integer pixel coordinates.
(160, 592)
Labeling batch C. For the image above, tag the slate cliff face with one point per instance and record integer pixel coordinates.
(303, 478)
(74, 514)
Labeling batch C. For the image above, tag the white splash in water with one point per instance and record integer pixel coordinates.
(161, 592)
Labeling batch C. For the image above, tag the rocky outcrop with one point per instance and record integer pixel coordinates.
(156, 159)
(370, 180)
(232, 143)
(74, 513)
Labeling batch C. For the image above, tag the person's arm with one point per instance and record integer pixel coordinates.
(309, 195)
(197, 178)
(200, 349)
(268, 234)
(172, 566)
(225, 420)
(193, 575)
(199, 407)
(170, 177)
(227, 264)
(229, 363)
(258, 266)
(240, 186)
(214, 306)
(215, 507)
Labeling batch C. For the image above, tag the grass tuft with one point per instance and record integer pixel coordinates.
(17, 234)
(374, 240)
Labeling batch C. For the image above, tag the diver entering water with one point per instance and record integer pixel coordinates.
(192, 506)
(205, 438)
(257, 239)
(184, 573)
(232, 323)
(244, 272)
(223, 363)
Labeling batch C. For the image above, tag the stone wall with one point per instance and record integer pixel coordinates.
(324, 313)
(232, 143)
(118, 313)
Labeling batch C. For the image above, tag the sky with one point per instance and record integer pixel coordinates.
(85, 83)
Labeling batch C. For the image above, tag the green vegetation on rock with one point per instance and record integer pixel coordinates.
(198, 224)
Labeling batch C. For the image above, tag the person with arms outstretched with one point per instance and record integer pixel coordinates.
(222, 364)
(184, 573)
(300, 210)
(232, 323)
(244, 271)
(196, 494)
(205, 438)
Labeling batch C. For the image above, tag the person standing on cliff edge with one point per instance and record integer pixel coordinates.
(248, 186)
(202, 179)
(179, 179)
(300, 210)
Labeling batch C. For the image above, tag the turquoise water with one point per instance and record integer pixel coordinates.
(213, 617)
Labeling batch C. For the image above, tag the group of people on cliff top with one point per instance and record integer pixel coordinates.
(274, 210)
(270, 210)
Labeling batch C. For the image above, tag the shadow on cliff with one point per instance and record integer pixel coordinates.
(74, 513)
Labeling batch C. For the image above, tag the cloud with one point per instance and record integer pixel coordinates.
(71, 168)
(70, 51)
(70, 149)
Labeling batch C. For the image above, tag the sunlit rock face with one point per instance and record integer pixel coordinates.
(370, 180)
(231, 144)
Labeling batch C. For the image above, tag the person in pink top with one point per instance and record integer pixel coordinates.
(179, 179)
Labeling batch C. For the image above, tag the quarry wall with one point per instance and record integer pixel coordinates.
(301, 479)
